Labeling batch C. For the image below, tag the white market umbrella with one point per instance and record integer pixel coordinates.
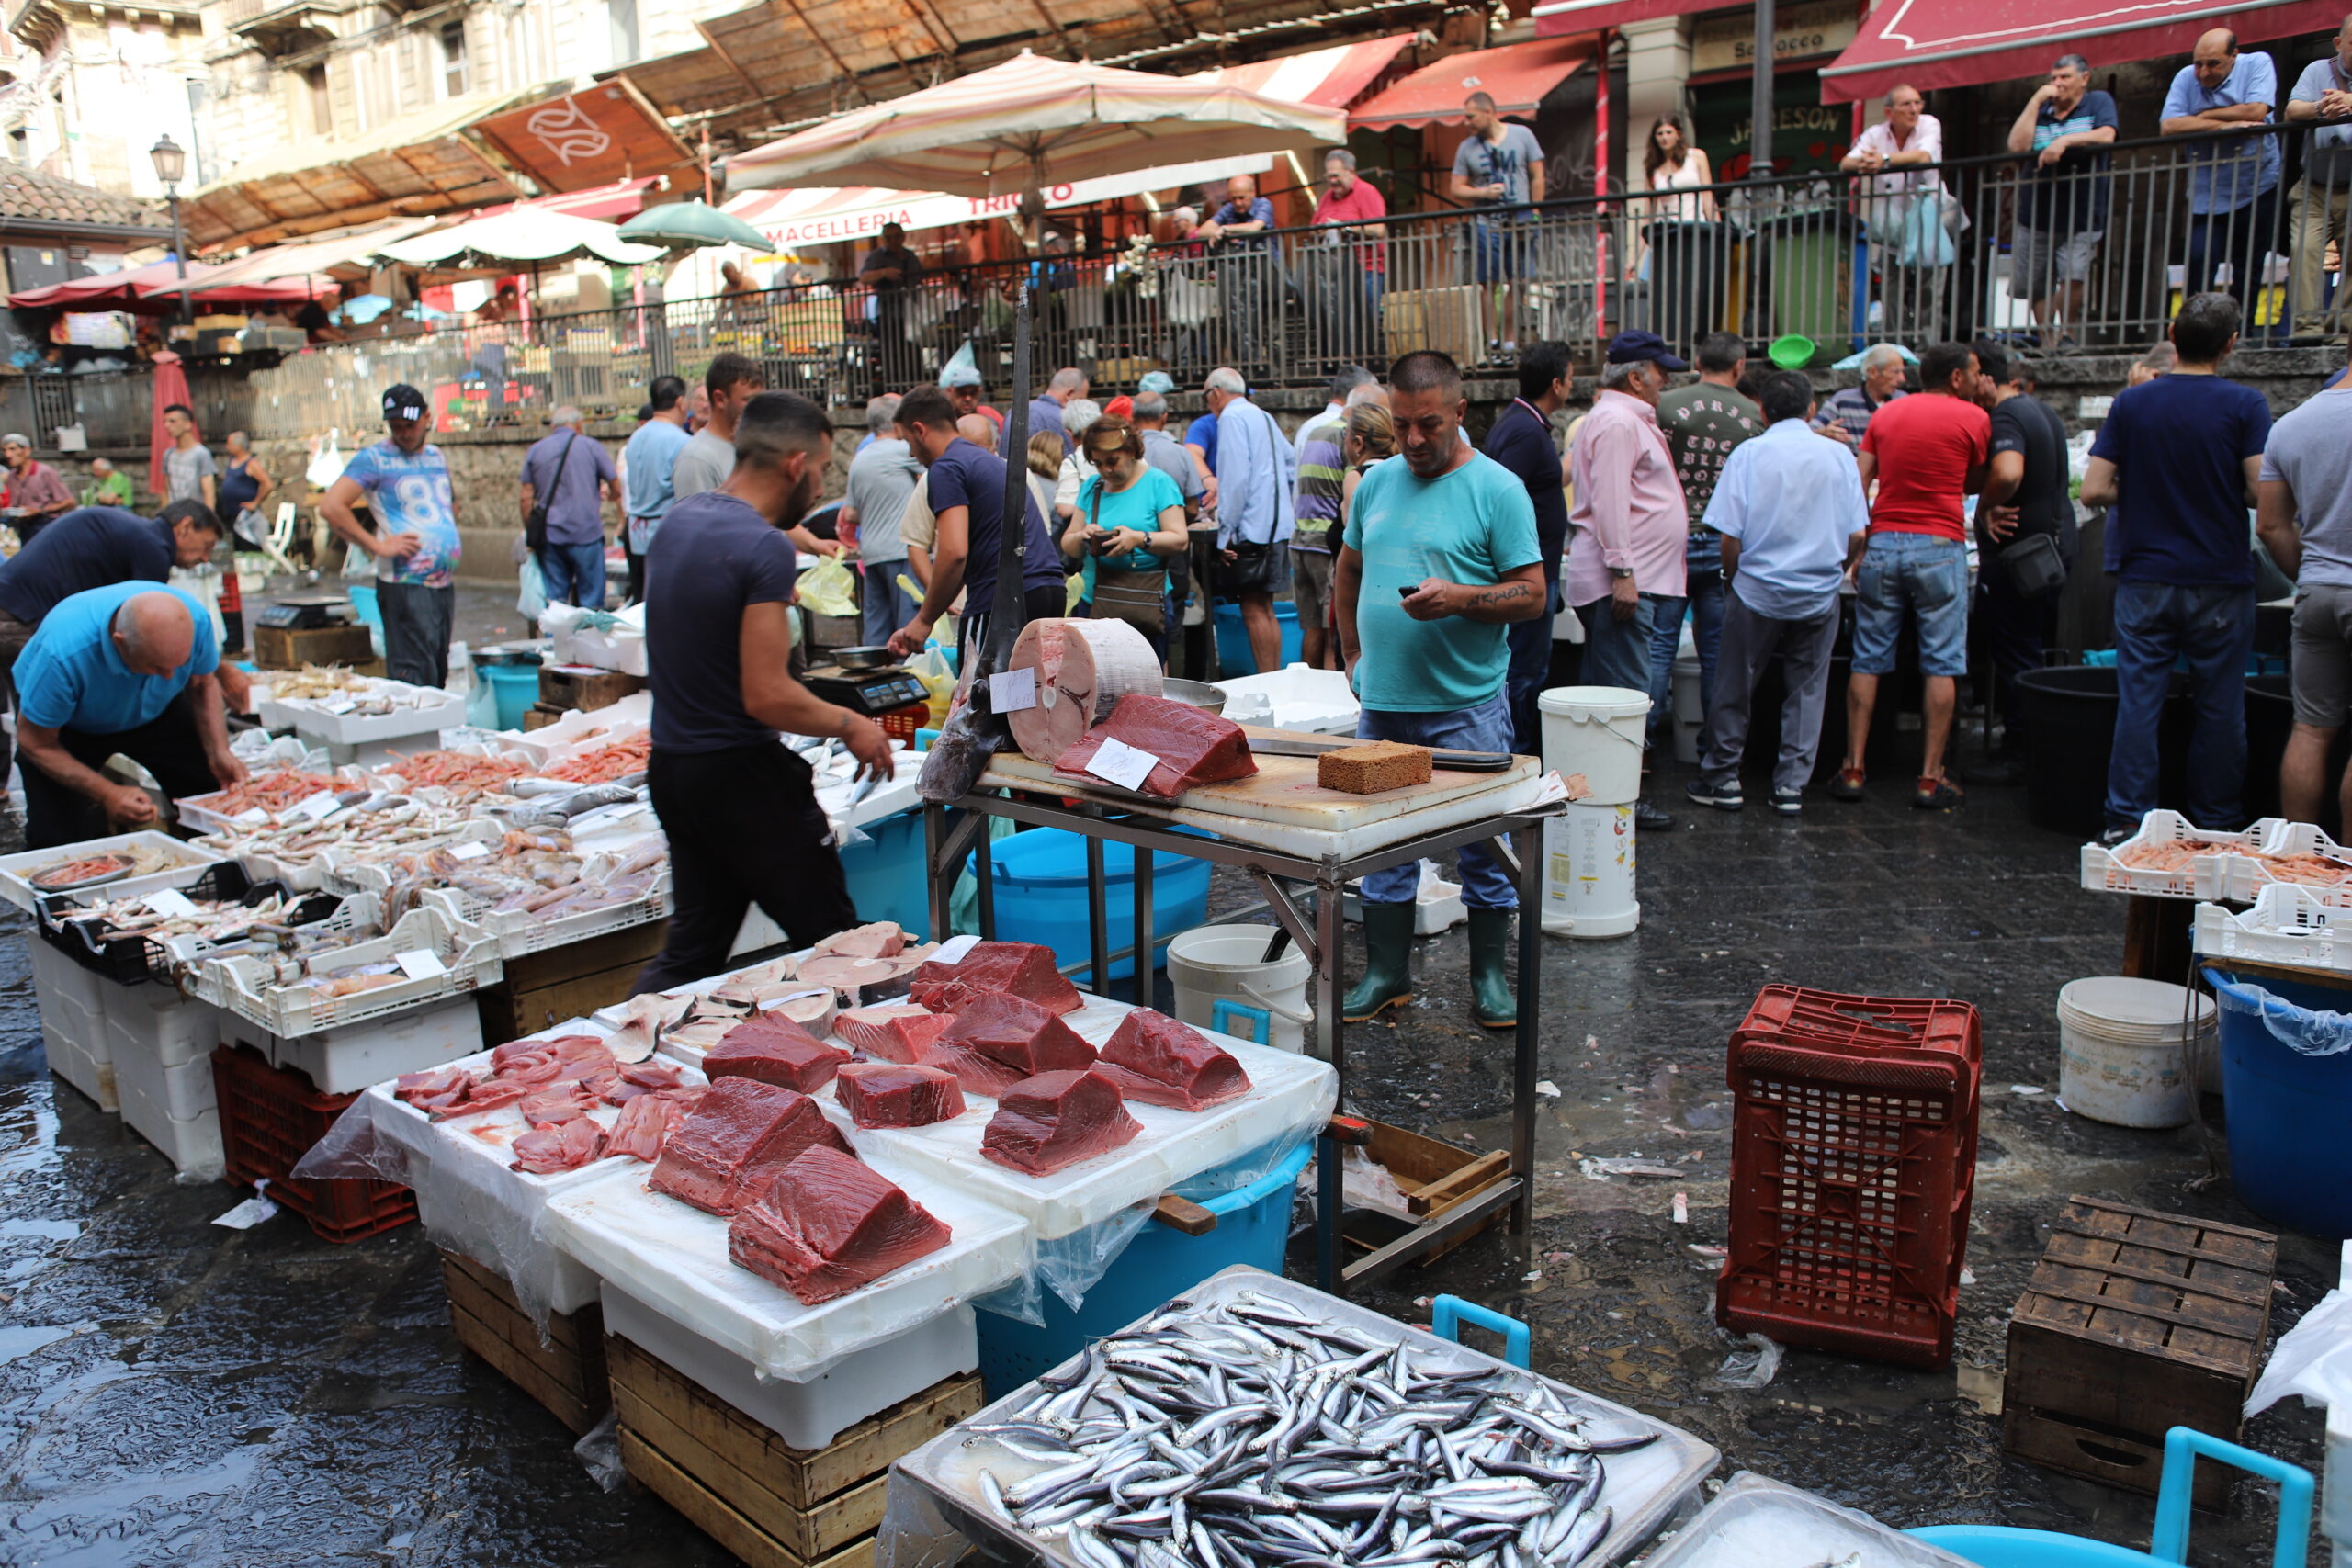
(522, 234)
(1033, 121)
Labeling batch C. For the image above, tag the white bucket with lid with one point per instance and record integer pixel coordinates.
(1597, 732)
(1210, 965)
(2124, 1050)
(1588, 872)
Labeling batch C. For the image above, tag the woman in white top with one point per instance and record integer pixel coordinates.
(1672, 164)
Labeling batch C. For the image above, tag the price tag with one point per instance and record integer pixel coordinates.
(170, 903)
(315, 806)
(1012, 691)
(1121, 764)
(953, 950)
(338, 706)
(251, 814)
(772, 1004)
(421, 965)
(468, 850)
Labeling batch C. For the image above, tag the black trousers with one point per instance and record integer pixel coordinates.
(2016, 631)
(744, 827)
(417, 622)
(166, 746)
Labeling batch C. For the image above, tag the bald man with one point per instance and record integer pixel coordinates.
(2233, 184)
(128, 668)
(978, 429)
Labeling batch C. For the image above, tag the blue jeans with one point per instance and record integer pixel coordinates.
(1485, 728)
(1617, 653)
(2155, 624)
(1530, 666)
(574, 574)
(1703, 560)
(886, 606)
(1925, 575)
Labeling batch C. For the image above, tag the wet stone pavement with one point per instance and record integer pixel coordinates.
(173, 1392)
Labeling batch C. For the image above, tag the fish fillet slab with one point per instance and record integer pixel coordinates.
(897, 1094)
(1017, 1032)
(1157, 1060)
(896, 1031)
(775, 1050)
(1022, 968)
(828, 1225)
(1194, 747)
(740, 1135)
(1083, 668)
(1054, 1119)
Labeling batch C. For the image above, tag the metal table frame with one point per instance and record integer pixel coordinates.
(950, 833)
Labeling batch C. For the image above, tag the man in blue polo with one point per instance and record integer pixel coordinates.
(128, 668)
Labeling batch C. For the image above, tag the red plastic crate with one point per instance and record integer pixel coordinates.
(1853, 1164)
(900, 723)
(269, 1118)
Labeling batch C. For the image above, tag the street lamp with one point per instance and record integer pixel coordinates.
(171, 163)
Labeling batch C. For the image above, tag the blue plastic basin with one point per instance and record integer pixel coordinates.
(1233, 655)
(2289, 1156)
(1997, 1545)
(1253, 1227)
(1040, 879)
(515, 687)
(886, 874)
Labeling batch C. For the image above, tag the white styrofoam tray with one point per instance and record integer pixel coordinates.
(346, 1060)
(572, 733)
(187, 863)
(248, 986)
(191, 1143)
(673, 1258)
(1757, 1523)
(1319, 702)
(1643, 1488)
(304, 715)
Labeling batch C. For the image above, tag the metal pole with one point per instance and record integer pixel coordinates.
(1330, 1206)
(1144, 943)
(1759, 99)
(1098, 917)
(1529, 844)
(179, 252)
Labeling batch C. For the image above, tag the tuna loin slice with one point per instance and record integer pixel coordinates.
(1083, 668)
(775, 1050)
(543, 1151)
(1054, 1119)
(1022, 968)
(899, 1094)
(646, 1122)
(884, 939)
(1158, 1061)
(740, 1135)
(999, 1039)
(828, 1225)
(896, 1031)
(1194, 747)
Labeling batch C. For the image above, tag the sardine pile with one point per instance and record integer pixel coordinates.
(1247, 1432)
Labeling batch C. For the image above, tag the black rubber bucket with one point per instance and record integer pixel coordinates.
(2068, 718)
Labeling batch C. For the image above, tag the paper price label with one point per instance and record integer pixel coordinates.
(422, 964)
(170, 903)
(315, 806)
(468, 850)
(338, 706)
(1012, 691)
(953, 950)
(1121, 764)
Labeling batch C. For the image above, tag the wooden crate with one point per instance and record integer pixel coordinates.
(566, 1373)
(2135, 1322)
(772, 1505)
(1446, 319)
(578, 686)
(1435, 1177)
(277, 648)
(539, 715)
(543, 988)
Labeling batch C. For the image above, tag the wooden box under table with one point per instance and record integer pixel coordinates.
(565, 1373)
(584, 687)
(277, 648)
(772, 1505)
(546, 987)
(2135, 1323)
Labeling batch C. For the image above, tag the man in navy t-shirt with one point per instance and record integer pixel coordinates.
(1521, 440)
(91, 548)
(2177, 463)
(740, 809)
(967, 489)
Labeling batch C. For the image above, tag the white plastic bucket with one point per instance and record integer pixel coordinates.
(1265, 1002)
(2123, 1054)
(1597, 732)
(1588, 872)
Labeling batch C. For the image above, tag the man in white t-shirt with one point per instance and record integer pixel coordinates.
(1898, 155)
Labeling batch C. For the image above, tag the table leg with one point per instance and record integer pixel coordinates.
(1144, 934)
(985, 879)
(1529, 844)
(1097, 917)
(939, 885)
(1329, 986)
(2157, 933)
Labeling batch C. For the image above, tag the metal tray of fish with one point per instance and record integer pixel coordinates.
(1757, 1523)
(1588, 1480)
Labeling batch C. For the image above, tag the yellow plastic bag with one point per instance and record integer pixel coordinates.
(829, 588)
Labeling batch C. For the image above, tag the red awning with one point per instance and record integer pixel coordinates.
(1333, 78)
(1564, 18)
(154, 288)
(1517, 76)
(1960, 43)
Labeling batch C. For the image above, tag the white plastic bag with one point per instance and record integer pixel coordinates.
(532, 601)
(326, 463)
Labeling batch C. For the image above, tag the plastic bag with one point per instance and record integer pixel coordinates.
(1751, 1368)
(829, 588)
(2307, 1031)
(532, 601)
(326, 463)
(600, 1453)
(2313, 1359)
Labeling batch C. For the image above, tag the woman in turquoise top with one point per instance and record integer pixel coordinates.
(1130, 520)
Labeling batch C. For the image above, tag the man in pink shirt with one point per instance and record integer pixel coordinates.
(1352, 210)
(1628, 526)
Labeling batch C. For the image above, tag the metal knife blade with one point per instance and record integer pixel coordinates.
(1452, 762)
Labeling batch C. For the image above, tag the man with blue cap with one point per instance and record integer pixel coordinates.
(1630, 523)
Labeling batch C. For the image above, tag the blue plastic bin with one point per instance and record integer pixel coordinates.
(2287, 1109)
(1159, 1264)
(1233, 655)
(1041, 894)
(886, 874)
(515, 686)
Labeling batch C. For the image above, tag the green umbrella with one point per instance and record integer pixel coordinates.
(691, 224)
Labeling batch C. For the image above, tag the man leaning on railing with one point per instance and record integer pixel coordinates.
(2321, 97)
(2234, 184)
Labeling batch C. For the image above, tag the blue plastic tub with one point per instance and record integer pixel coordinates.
(2287, 1108)
(1159, 1264)
(886, 874)
(515, 686)
(362, 603)
(1041, 894)
(1233, 655)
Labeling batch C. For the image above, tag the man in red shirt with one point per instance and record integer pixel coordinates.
(1353, 210)
(1926, 453)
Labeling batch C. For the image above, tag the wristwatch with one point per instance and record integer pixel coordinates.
(1621, 571)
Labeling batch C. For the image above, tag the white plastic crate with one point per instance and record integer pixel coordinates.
(2281, 838)
(1756, 1523)
(357, 914)
(2207, 876)
(94, 1076)
(578, 731)
(192, 1143)
(187, 863)
(361, 873)
(306, 716)
(155, 1021)
(346, 1060)
(515, 933)
(2288, 925)
(257, 991)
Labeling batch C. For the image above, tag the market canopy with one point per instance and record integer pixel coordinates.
(304, 258)
(531, 233)
(1333, 78)
(1518, 76)
(155, 288)
(592, 137)
(1035, 121)
(1959, 43)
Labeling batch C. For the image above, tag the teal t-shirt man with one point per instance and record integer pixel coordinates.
(1473, 524)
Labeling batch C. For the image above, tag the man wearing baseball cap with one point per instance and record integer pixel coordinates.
(1630, 523)
(969, 394)
(405, 482)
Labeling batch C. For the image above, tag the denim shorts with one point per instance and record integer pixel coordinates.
(1927, 575)
(1498, 250)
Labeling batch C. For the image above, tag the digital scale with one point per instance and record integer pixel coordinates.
(306, 613)
(869, 691)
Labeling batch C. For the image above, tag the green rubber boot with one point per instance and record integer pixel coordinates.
(1493, 1004)
(1388, 962)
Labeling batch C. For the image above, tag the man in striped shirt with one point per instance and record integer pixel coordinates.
(1315, 510)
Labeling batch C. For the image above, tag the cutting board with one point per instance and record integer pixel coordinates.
(1282, 791)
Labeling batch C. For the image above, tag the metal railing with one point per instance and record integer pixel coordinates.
(114, 411)
(1838, 259)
